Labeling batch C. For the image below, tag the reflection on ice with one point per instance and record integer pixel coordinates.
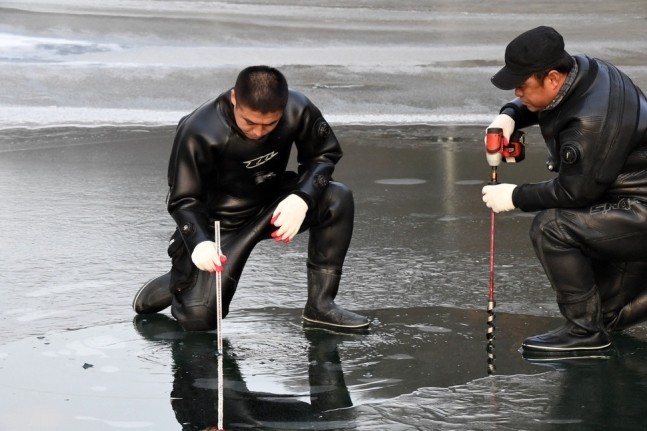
(494, 403)
(571, 394)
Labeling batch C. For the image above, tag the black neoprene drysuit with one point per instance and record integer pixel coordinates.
(216, 173)
(591, 230)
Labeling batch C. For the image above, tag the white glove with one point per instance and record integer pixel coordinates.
(207, 257)
(505, 123)
(288, 217)
(498, 197)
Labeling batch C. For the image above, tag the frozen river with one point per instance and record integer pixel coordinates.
(362, 61)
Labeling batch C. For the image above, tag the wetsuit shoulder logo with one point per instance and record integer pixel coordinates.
(251, 164)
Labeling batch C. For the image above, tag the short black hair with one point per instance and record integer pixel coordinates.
(262, 88)
(563, 66)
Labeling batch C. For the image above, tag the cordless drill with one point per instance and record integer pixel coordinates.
(498, 149)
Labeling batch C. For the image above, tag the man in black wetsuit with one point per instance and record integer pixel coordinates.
(590, 233)
(228, 163)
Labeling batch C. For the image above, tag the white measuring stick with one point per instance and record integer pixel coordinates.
(218, 289)
(219, 330)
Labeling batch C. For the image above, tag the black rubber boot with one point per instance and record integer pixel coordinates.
(321, 310)
(154, 296)
(582, 332)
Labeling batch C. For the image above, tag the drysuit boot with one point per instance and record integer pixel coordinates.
(154, 296)
(582, 332)
(321, 310)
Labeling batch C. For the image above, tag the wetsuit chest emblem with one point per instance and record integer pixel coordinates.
(251, 164)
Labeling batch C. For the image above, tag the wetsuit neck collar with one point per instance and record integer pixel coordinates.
(568, 83)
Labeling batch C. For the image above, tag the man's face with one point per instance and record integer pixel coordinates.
(254, 124)
(536, 95)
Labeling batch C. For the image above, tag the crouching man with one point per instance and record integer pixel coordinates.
(228, 163)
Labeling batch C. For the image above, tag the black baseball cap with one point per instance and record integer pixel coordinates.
(534, 51)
